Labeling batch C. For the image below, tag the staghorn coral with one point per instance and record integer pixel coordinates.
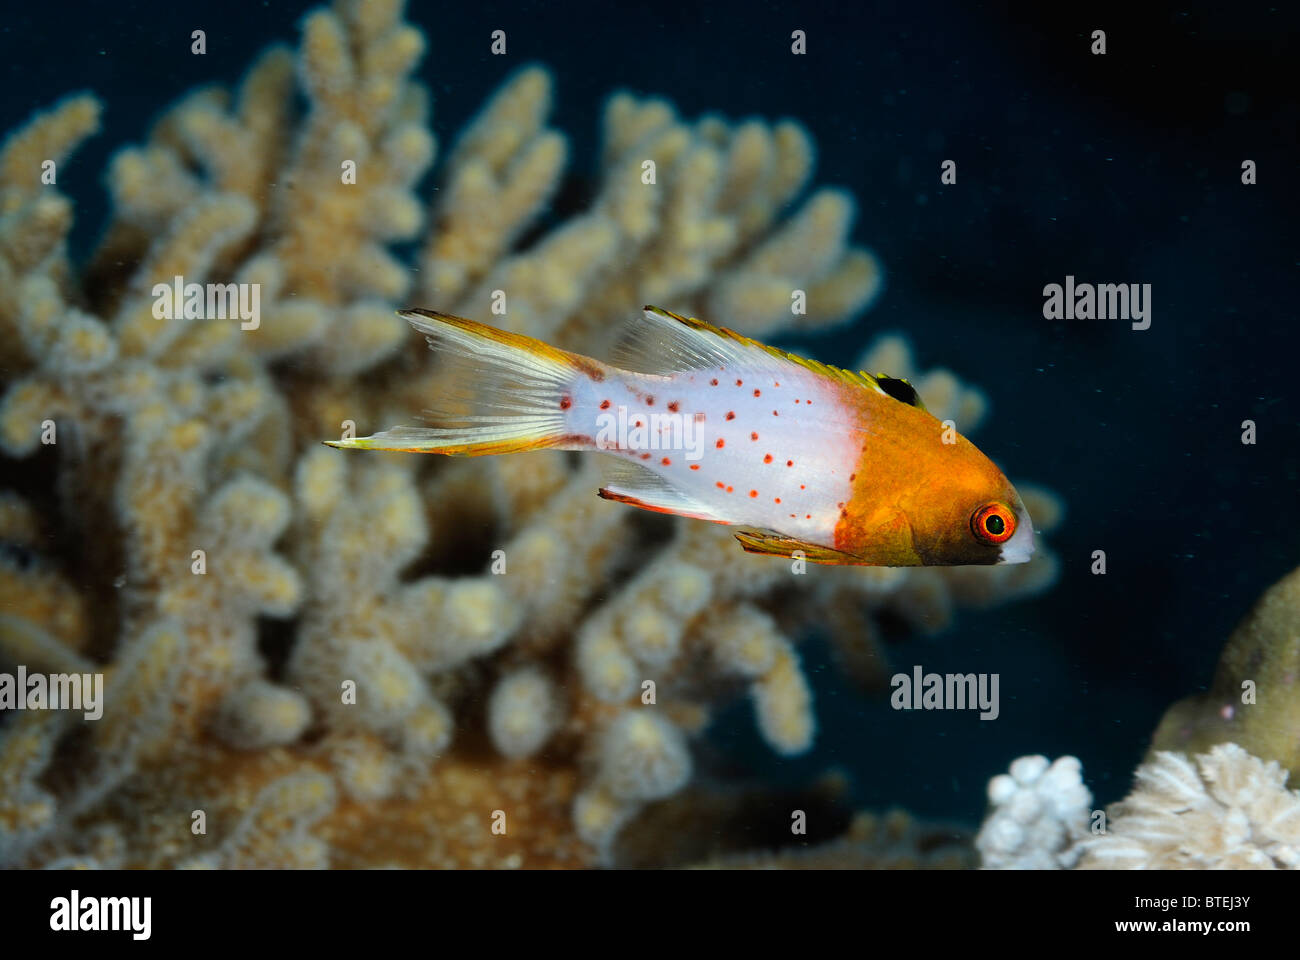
(362, 661)
(26, 809)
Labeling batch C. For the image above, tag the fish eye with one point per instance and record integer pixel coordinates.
(993, 523)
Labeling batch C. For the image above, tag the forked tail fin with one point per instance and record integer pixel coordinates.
(499, 392)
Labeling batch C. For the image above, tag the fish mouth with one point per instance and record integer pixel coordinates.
(1020, 548)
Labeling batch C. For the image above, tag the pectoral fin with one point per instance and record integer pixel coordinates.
(756, 541)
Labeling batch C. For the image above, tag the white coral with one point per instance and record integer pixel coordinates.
(1039, 814)
(1225, 809)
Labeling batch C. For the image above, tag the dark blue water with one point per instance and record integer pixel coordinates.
(1122, 168)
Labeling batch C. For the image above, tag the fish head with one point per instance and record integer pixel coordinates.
(969, 513)
(931, 497)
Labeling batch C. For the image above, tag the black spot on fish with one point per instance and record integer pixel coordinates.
(901, 391)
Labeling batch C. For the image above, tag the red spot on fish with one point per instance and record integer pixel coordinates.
(731, 489)
(768, 458)
(714, 381)
(840, 505)
(740, 383)
(778, 499)
(637, 424)
(807, 516)
(695, 466)
(565, 403)
(789, 463)
(753, 436)
(776, 383)
(852, 477)
(721, 443)
(843, 514)
(721, 485)
(758, 393)
(649, 401)
(645, 456)
(666, 462)
(673, 406)
(792, 516)
(731, 414)
(801, 486)
(604, 404)
(796, 399)
(753, 493)
(810, 403)
(775, 414)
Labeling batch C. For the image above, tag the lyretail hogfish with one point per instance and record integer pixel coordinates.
(702, 422)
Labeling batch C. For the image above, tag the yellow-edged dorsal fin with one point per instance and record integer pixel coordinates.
(663, 342)
(670, 343)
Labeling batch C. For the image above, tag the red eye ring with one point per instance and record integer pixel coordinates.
(993, 523)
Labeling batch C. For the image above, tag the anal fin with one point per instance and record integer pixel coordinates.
(631, 483)
(774, 545)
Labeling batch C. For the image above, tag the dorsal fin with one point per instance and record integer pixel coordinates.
(664, 342)
(659, 342)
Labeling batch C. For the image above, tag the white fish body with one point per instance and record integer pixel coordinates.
(746, 443)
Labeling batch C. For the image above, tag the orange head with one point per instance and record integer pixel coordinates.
(924, 494)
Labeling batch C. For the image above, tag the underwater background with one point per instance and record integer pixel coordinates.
(1122, 168)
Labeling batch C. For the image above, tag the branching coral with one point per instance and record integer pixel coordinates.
(319, 659)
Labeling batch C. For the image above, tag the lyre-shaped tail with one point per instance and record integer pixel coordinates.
(499, 392)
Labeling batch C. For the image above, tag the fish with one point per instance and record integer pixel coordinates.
(804, 459)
